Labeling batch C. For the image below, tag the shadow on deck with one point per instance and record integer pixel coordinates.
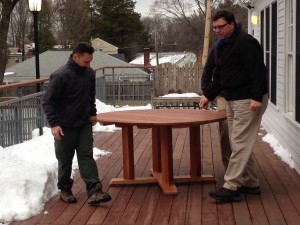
(279, 202)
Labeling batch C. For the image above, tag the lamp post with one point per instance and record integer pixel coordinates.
(35, 6)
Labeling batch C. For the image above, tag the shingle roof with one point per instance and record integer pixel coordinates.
(178, 58)
(52, 60)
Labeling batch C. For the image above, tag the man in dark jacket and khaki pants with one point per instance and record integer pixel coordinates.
(69, 105)
(235, 70)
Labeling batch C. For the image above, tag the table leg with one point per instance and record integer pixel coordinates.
(128, 154)
(195, 151)
(156, 152)
(165, 178)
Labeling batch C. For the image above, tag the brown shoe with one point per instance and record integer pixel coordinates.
(66, 194)
(99, 196)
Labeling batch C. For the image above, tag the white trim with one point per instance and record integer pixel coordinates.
(290, 91)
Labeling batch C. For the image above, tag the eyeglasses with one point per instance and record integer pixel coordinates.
(220, 27)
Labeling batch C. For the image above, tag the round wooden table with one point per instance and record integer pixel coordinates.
(161, 121)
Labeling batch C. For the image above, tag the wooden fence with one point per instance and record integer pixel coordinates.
(170, 78)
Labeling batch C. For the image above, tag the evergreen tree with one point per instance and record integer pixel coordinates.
(46, 38)
(116, 22)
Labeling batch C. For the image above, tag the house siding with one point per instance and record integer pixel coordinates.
(275, 120)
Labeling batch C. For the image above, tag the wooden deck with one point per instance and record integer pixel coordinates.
(279, 202)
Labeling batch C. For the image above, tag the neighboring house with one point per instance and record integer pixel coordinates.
(103, 46)
(178, 58)
(278, 30)
(14, 56)
(52, 60)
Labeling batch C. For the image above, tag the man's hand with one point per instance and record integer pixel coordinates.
(203, 102)
(57, 132)
(254, 105)
(94, 120)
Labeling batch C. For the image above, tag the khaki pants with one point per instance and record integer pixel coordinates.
(243, 126)
(224, 136)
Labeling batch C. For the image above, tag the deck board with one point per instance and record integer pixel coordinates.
(147, 205)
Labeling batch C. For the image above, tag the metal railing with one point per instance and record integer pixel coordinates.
(21, 107)
(20, 115)
(123, 84)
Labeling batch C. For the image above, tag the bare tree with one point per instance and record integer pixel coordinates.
(190, 16)
(192, 19)
(184, 10)
(6, 7)
(74, 22)
(19, 26)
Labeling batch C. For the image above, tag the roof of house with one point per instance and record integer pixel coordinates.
(178, 58)
(103, 45)
(52, 60)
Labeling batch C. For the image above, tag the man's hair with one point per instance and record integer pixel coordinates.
(83, 47)
(228, 16)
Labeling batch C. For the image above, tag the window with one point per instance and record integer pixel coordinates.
(290, 78)
(293, 59)
(269, 43)
(273, 54)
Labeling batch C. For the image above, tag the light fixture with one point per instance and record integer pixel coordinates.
(35, 5)
(254, 19)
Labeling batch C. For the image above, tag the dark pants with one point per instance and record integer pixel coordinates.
(81, 140)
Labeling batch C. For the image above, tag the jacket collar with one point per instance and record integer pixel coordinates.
(232, 37)
(71, 63)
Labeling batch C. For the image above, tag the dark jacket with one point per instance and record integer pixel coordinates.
(69, 100)
(235, 69)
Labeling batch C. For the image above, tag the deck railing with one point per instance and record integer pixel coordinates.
(125, 84)
(21, 114)
(21, 107)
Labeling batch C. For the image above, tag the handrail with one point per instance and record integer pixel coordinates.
(125, 67)
(22, 84)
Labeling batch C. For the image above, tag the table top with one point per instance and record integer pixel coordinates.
(160, 117)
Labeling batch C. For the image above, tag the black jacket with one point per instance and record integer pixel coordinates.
(69, 100)
(235, 69)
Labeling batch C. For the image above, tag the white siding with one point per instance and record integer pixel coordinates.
(275, 121)
(281, 56)
(286, 132)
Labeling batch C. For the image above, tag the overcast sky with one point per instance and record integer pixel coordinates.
(143, 6)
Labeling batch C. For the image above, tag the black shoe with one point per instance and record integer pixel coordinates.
(225, 195)
(250, 190)
(99, 196)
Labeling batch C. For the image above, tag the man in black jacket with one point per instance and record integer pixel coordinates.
(235, 70)
(69, 104)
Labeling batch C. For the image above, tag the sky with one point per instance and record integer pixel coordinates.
(143, 6)
(29, 170)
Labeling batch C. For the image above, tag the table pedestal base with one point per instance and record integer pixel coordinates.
(168, 189)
